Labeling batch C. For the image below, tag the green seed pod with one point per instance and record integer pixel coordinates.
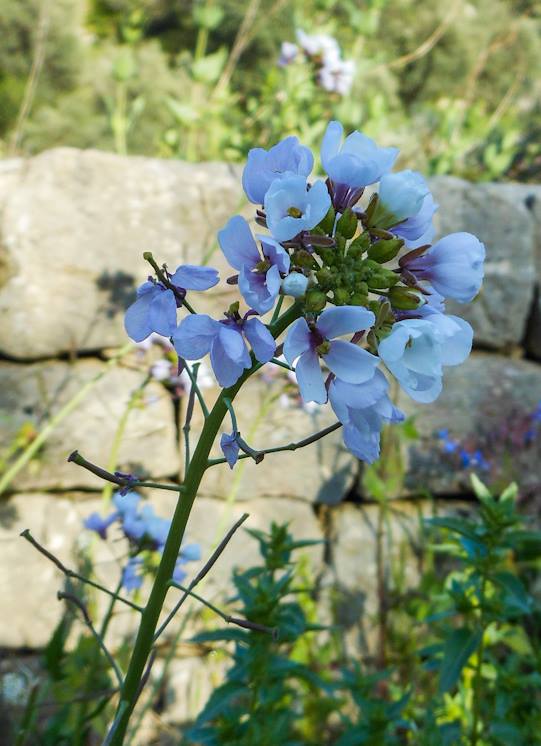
(404, 298)
(383, 251)
(315, 300)
(347, 224)
(383, 279)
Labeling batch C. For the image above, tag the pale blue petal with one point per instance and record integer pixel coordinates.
(340, 320)
(298, 340)
(230, 448)
(350, 363)
(310, 378)
(163, 313)
(194, 336)
(262, 341)
(136, 318)
(192, 277)
(238, 244)
(330, 145)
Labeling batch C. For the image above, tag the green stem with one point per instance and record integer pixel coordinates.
(478, 676)
(151, 614)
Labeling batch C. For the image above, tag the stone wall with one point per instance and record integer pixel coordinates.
(73, 226)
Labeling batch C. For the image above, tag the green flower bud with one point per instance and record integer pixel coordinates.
(325, 278)
(315, 300)
(359, 299)
(328, 256)
(361, 244)
(303, 258)
(340, 243)
(347, 224)
(382, 279)
(383, 251)
(327, 224)
(404, 298)
(341, 296)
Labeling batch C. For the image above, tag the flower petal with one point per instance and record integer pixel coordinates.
(262, 341)
(310, 378)
(194, 336)
(162, 313)
(340, 320)
(350, 363)
(192, 277)
(238, 244)
(298, 340)
(230, 448)
(136, 321)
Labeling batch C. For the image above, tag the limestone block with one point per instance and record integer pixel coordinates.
(505, 225)
(73, 227)
(36, 393)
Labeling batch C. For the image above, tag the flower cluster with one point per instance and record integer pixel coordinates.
(146, 534)
(369, 287)
(333, 73)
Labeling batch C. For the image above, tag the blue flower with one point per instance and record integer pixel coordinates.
(132, 578)
(358, 161)
(401, 196)
(259, 279)
(418, 230)
(454, 266)
(413, 354)
(230, 448)
(155, 309)
(455, 334)
(292, 207)
(199, 334)
(363, 409)
(288, 157)
(95, 522)
(346, 360)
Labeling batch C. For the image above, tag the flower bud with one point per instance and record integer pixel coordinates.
(357, 247)
(325, 278)
(303, 258)
(327, 224)
(382, 279)
(316, 300)
(404, 298)
(347, 224)
(383, 251)
(341, 296)
(295, 284)
(358, 299)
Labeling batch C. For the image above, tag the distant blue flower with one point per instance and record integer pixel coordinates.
(259, 278)
(358, 161)
(132, 578)
(288, 157)
(347, 361)
(401, 196)
(95, 522)
(295, 284)
(155, 309)
(199, 334)
(323, 46)
(413, 354)
(363, 409)
(291, 207)
(230, 448)
(288, 52)
(453, 266)
(419, 229)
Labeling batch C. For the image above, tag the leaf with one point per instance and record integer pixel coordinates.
(221, 635)
(516, 593)
(459, 647)
(510, 493)
(480, 489)
(456, 525)
(208, 69)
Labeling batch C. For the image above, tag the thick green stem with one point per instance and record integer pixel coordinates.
(151, 614)
(478, 675)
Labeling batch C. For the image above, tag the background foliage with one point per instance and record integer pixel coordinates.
(455, 85)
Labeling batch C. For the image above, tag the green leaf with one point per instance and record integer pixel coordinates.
(459, 647)
(207, 69)
(480, 489)
(516, 593)
(456, 525)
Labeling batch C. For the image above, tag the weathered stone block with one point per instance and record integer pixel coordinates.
(500, 219)
(73, 227)
(36, 393)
